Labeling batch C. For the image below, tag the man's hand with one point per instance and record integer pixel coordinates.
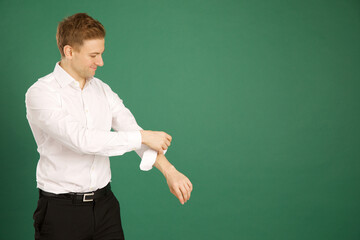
(178, 183)
(159, 141)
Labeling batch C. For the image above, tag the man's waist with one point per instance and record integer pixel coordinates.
(79, 196)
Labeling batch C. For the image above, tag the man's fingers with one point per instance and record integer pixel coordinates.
(190, 185)
(168, 137)
(179, 195)
(188, 191)
(156, 140)
(184, 193)
(166, 143)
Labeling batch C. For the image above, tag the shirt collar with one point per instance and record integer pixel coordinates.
(64, 78)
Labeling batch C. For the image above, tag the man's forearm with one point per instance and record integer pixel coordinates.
(163, 164)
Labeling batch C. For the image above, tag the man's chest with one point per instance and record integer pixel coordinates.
(88, 106)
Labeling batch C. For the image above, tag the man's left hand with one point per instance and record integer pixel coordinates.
(179, 184)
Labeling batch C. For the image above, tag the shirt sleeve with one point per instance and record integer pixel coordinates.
(123, 120)
(43, 110)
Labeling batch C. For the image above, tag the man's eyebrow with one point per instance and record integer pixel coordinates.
(96, 52)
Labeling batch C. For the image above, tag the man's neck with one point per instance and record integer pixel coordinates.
(72, 73)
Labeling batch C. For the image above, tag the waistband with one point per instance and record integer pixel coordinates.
(80, 197)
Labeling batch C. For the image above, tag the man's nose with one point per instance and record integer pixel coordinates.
(100, 61)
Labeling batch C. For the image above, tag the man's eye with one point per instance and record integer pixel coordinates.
(92, 56)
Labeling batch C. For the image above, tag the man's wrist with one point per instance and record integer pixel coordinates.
(164, 166)
(143, 136)
(169, 170)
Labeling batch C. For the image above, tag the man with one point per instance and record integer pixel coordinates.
(71, 114)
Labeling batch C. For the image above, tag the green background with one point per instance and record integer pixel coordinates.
(261, 98)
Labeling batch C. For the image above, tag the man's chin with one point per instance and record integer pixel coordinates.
(91, 75)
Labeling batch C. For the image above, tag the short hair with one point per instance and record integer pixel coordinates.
(73, 30)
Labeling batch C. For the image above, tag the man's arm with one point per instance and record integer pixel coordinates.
(123, 120)
(178, 183)
(43, 110)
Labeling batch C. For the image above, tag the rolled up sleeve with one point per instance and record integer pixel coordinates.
(123, 120)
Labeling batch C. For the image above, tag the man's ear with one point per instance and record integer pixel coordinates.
(68, 51)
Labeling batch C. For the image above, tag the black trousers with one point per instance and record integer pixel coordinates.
(66, 219)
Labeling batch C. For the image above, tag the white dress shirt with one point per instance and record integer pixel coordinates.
(72, 129)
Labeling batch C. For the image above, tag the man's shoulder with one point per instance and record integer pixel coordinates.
(44, 84)
(47, 81)
(43, 94)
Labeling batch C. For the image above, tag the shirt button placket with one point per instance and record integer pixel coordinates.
(92, 174)
(85, 107)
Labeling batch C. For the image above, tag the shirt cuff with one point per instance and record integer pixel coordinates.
(134, 138)
(148, 159)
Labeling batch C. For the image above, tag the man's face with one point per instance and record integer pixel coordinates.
(89, 57)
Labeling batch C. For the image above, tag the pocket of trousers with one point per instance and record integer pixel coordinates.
(40, 214)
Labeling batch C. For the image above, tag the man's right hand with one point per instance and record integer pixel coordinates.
(159, 141)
